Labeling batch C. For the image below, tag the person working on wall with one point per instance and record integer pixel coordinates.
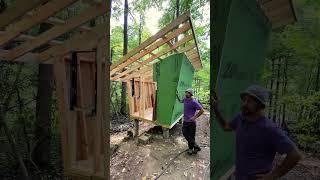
(258, 139)
(191, 106)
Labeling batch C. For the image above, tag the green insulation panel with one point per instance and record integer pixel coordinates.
(240, 48)
(174, 73)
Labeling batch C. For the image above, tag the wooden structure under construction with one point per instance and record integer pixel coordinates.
(136, 67)
(81, 69)
(239, 51)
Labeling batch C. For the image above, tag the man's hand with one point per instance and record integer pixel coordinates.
(193, 118)
(269, 176)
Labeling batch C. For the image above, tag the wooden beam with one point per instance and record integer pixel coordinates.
(154, 55)
(100, 118)
(82, 140)
(84, 41)
(29, 57)
(63, 102)
(195, 39)
(107, 110)
(193, 56)
(159, 54)
(170, 45)
(17, 10)
(194, 59)
(58, 22)
(38, 15)
(56, 31)
(192, 51)
(151, 48)
(24, 37)
(137, 73)
(185, 49)
(181, 19)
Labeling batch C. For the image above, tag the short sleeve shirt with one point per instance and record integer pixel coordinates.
(191, 105)
(256, 145)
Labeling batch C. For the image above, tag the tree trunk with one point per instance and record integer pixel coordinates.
(41, 154)
(3, 111)
(140, 28)
(16, 153)
(21, 119)
(275, 106)
(271, 88)
(125, 51)
(302, 109)
(284, 91)
(177, 13)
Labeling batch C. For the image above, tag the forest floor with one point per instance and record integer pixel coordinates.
(133, 160)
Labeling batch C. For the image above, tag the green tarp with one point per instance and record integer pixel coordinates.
(239, 50)
(172, 73)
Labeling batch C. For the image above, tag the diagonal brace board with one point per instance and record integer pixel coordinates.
(76, 43)
(45, 37)
(17, 10)
(38, 15)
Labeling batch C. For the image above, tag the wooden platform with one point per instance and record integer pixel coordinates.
(148, 115)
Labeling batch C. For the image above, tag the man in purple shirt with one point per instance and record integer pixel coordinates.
(258, 139)
(191, 106)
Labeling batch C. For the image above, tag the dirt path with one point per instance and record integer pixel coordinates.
(133, 161)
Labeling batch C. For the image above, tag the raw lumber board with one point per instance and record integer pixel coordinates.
(241, 56)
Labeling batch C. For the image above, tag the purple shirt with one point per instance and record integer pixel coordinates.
(256, 145)
(191, 105)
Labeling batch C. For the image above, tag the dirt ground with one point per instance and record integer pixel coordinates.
(133, 160)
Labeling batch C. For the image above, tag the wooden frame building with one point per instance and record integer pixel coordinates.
(81, 70)
(137, 66)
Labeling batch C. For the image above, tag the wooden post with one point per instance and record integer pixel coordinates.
(62, 93)
(82, 141)
(165, 133)
(101, 96)
(103, 107)
(136, 128)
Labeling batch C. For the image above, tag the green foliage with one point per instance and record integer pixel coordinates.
(299, 44)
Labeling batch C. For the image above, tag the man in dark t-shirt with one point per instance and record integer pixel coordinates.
(258, 139)
(191, 106)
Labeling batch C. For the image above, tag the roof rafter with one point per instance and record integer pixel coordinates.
(159, 54)
(37, 16)
(151, 48)
(20, 8)
(56, 31)
(181, 19)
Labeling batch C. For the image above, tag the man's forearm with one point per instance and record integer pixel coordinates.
(199, 113)
(178, 98)
(219, 117)
(287, 164)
